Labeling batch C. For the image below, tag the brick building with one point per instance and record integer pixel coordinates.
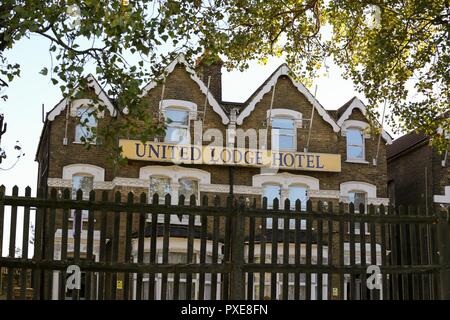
(418, 174)
(339, 163)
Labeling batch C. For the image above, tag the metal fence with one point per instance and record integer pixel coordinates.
(141, 249)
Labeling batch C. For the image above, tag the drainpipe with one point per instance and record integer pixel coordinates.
(231, 137)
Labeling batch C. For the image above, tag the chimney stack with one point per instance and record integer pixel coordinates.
(211, 66)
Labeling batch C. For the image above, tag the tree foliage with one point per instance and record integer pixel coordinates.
(401, 57)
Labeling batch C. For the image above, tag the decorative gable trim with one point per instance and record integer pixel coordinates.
(203, 88)
(358, 104)
(92, 83)
(284, 70)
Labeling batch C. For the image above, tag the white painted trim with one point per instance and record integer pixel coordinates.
(355, 124)
(278, 112)
(80, 103)
(357, 161)
(92, 83)
(356, 103)
(213, 188)
(175, 173)
(284, 70)
(295, 116)
(361, 127)
(368, 188)
(191, 106)
(443, 198)
(83, 168)
(285, 180)
(203, 88)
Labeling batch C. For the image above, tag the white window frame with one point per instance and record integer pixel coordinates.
(280, 113)
(362, 127)
(175, 173)
(83, 169)
(358, 186)
(276, 134)
(303, 207)
(161, 199)
(285, 180)
(366, 225)
(363, 146)
(197, 196)
(84, 213)
(81, 127)
(178, 126)
(181, 105)
(269, 221)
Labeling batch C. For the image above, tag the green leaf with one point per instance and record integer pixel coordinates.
(44, 71)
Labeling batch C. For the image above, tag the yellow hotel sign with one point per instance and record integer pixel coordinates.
(212, 155)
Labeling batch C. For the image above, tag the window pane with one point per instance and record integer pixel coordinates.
(85, 183)
(161, 186)
(354, 137)
(355, 152)
(188, 187)
(282, 140)
(177, 117)
(286, 142)
(87, 121)
(283, 133)
(175, 257)
(280, 123)
(271, 192)
(357, 198)
(177, 135)
(298, 192)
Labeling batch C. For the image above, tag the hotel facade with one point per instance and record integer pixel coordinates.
(302, 150)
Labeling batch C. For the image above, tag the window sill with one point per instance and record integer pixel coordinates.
(358, 233)
(285, 150)
(79, 142)
(357, 161)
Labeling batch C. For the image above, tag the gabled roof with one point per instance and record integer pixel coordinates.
(270, 82)
(203, 88)
(404, 143)
(344, 112)
(92, 83)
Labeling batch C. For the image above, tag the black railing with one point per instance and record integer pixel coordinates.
(140, 249)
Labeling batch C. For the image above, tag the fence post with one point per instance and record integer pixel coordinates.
(237, 254)
(444, 253)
